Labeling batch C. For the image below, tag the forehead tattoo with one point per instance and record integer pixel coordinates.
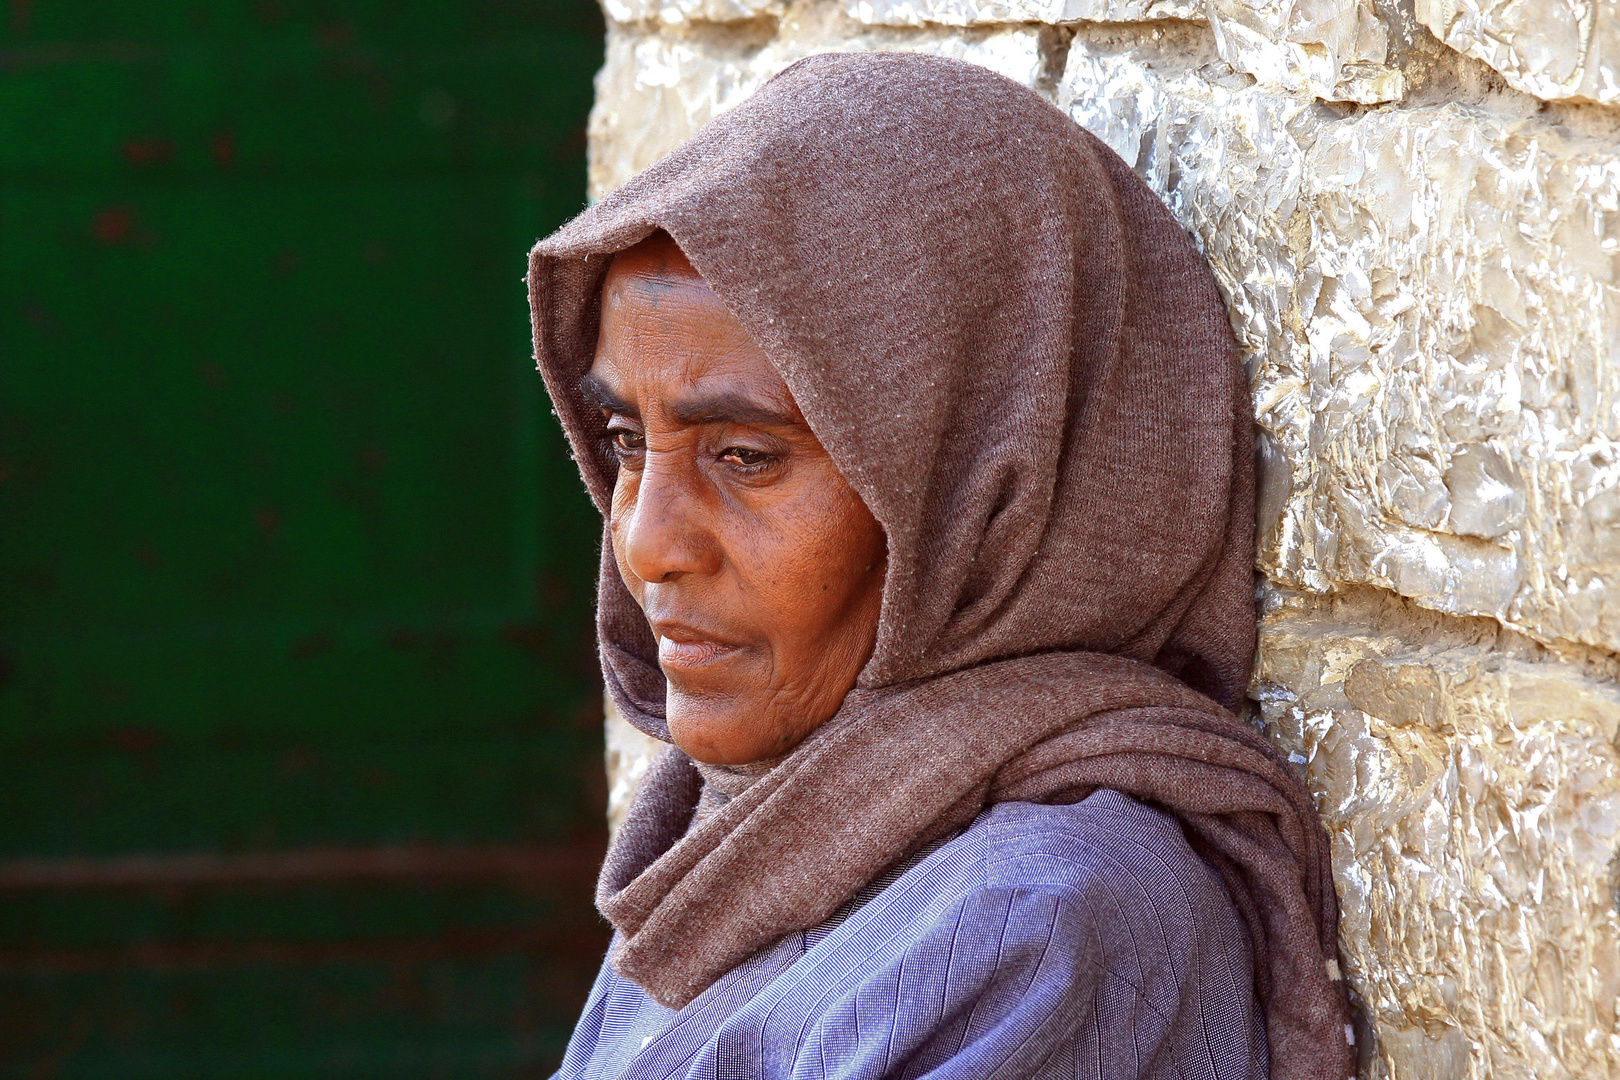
(655, 280)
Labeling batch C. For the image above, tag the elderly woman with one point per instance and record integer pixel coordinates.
(925, 454)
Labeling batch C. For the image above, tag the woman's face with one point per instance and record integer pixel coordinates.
(758, 567)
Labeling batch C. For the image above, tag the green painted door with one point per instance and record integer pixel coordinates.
(299, 756)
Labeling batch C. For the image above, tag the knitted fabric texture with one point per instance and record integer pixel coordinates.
(1022, 365)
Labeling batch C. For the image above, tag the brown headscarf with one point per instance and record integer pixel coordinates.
(1021, 364)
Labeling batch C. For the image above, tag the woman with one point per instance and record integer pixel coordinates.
(925, 454)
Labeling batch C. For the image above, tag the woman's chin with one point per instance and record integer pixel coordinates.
(710, 753)
(714, 736)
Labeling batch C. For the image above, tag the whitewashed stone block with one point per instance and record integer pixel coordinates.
(659, 85)
(673, 12)
(990, 12)
(629, 755)
(1471, 788)
(1430, 302)
(909, 13)
(1550, 48)
(1336, 50)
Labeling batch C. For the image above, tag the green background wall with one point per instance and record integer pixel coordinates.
(293, 565)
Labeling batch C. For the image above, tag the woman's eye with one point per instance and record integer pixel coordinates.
(746, 458)
(626, 441)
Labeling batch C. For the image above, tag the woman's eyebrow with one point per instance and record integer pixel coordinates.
(598, 393)
(730, 409)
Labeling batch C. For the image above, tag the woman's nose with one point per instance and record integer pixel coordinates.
(665, 532)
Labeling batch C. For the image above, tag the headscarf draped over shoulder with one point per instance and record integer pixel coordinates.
(1021, 363)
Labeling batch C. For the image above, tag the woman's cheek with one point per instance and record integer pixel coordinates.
(616, 525)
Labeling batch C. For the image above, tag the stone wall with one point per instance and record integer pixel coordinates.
(1414, 213)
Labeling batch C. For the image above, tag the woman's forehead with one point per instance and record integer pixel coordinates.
(656, 261)
(692, 394)
(636, 287)
(678, 351)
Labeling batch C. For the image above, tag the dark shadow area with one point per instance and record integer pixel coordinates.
(300, 742)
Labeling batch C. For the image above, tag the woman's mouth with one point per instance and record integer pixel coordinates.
(690, 654)
(684, 648)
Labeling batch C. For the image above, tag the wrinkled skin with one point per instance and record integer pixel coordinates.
(758, 567)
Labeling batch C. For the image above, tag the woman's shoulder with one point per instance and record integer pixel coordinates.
(1108, 860)
(1095, 924)
(1098, 843)
(1109, 869)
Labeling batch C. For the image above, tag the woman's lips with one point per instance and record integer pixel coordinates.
(690, 652)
